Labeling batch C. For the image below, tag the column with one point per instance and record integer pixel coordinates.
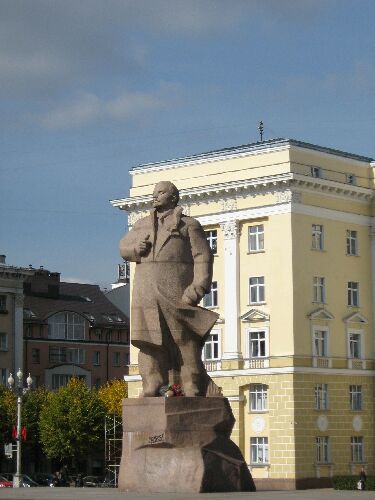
(18, 332)
(232, 345)
(372, 238)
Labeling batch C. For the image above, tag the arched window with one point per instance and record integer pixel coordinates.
(66, 325)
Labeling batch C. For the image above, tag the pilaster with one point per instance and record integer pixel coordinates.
(232, 347)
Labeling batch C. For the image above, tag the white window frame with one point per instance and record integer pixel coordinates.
(212, 239)
(351, 242)
(353, 293)
(357, 449)
(356, 397)
(321, 397)
(260, 290)
(66, 325)
(319, 289)
(258, 398)
(259, 450)
(213, 343)
(264, 330)
(3, 341)
(360, 343)
(325, 330)
(255, 241)
(317, 236)
(322, 449)
(211, 299)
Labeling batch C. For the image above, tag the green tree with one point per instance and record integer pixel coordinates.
(32, 405)
(111, 394)
(8, 412)
(71, 423)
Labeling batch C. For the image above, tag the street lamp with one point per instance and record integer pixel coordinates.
(20, 391)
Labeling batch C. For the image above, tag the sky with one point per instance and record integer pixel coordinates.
(91, 88)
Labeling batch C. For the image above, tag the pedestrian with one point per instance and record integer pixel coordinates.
(362, 479)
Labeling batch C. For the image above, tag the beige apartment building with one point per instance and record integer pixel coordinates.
(292, 229)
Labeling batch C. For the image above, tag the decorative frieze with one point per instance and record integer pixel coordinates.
(288, 196)
(228, 205)
(230, 229)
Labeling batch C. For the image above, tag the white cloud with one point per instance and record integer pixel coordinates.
(128, 105)
(84, 110)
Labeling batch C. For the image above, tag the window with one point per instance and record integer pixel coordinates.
(96, 358)
(355, 397)
(3, 303)
(116, 359)
(210, 299)
(317, 242)
(66, 355)
(258, 397)
(353, 293)
(61, 380)
(320, 343)
(319, 287)
(3, 376)
(98, 382)
(66, 325)
(322, 449)
(355, 345)
(351, 179)
(126, 359)
(3, 341)
(259, 450)
(257, 348)
(35, 356)
(357, 448)
(316, 172)
(256, 289)
(256, 238)
(351, 242)
(212, 240)
(321, 397)
(211, 347)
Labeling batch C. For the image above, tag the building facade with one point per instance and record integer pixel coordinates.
(291, 226)
(72, 329)
(11, 318)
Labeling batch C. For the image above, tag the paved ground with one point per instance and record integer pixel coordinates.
(113, 494)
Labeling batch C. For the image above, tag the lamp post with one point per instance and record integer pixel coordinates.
(20, 391)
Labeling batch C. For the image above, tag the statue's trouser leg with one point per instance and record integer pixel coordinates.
(193, 372)
(153, 368)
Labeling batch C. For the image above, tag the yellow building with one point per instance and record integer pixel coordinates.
(292, 228)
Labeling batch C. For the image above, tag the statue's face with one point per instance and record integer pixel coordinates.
(163, 197)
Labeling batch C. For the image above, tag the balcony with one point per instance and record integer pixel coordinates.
(357, 364)
(255, 363)
(321, 362)
(212, 365)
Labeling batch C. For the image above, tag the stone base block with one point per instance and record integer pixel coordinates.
(181, 444)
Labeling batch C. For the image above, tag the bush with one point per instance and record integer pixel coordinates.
(350, 482)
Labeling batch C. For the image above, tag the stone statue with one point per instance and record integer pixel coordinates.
(173, 272)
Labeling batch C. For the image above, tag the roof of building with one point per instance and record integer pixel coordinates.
(87, 300)
(271, 143)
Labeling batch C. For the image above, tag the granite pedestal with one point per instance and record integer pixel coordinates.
(181, 444)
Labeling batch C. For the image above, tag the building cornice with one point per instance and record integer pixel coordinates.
(254, 186)
(271, 146)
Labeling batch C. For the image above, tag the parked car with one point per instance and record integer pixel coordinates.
(91, 481)
(42, 478)
(5, 483)
(26, 481)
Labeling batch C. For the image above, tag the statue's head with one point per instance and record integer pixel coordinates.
(165, 196)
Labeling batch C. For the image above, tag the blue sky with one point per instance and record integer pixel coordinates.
(89, 89)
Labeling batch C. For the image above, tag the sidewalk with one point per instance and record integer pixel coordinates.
(113, 494)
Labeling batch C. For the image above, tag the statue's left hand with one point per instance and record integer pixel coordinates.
(192, 295)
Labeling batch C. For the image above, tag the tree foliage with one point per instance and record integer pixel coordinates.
(8, 414)
(71, 422)
(112, 394)
(32, 405)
